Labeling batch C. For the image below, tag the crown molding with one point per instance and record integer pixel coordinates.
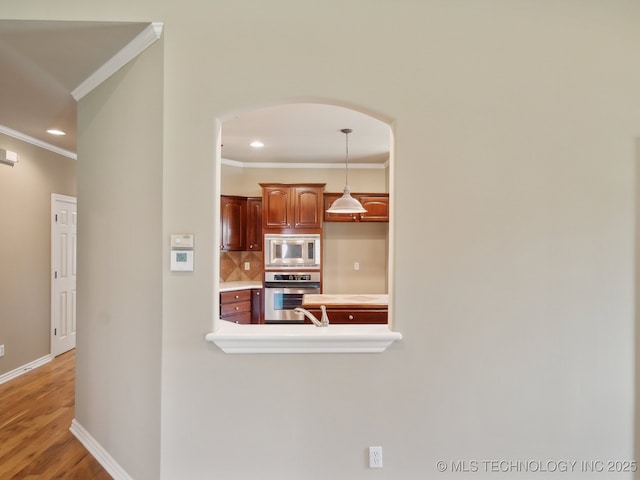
(38, 143)
(352, 166)
(134, 48)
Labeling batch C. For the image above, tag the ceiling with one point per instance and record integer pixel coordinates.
(43, 62)
(305, 133)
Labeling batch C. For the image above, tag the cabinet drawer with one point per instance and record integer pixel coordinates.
(233, 308)
(235, 296)
(244, 318)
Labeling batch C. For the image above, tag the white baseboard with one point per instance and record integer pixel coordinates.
(99, 453)
(5, 377)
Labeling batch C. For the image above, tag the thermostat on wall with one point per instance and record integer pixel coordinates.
(182, 260)
(182, 253)
(182, 241)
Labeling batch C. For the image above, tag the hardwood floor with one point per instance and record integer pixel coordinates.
(36, 410)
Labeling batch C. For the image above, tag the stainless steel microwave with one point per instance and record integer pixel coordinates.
(291, 251)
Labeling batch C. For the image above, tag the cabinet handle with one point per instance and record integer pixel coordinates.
(237, 296)
(250, 246)
(237, 321)
(350, 317)
(237, 308)
(258, 293)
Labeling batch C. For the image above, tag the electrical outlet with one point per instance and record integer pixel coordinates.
(247, 265)
(375, 457)
(356, 266)
(2, 350)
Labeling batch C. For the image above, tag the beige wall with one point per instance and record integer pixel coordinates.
(25, 248)
(514, 127)
(344, 244)
(246, 181)
(120, 260)
(348, 243)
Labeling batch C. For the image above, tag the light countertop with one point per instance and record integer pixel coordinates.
(239, 285)
(346, 300)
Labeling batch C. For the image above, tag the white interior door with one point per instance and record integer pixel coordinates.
(64, 223)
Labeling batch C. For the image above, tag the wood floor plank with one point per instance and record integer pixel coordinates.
(35, 441)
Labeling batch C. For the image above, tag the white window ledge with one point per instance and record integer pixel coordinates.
(233, 338)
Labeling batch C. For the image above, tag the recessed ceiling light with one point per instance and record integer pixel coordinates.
(257, 144)
(54, 131)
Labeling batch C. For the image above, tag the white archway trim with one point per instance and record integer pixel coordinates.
(234, 338)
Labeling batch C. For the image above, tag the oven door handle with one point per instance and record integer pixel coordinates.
(291, 284)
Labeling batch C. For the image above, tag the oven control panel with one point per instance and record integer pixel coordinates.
(291, 277)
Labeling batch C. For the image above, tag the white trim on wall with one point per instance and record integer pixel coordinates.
(98, 452)
(353, 166)
(134, 48)
(5, 377)
(38, 143)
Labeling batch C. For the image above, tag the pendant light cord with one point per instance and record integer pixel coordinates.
(346, 170)
(346, 132)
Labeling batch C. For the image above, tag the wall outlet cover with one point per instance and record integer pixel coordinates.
(375, 457)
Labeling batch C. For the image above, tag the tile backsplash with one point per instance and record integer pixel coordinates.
(232, 266)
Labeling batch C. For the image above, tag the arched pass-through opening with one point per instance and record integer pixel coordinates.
(302, 143)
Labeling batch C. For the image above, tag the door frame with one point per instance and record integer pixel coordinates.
(55, 197)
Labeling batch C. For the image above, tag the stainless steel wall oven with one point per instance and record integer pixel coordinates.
(283, 292)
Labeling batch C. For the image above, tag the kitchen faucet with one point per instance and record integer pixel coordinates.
(323, 322)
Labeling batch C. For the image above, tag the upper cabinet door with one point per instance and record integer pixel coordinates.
(276, 211)
(233, 222)
(292, 208)
(377, 207)
(307, 207)
(254, 224)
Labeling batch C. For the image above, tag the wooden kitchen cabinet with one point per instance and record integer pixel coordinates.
(233, 218)
(376, 204)
(292, 208)
(352, 316)
(307, 207)
(254, 224)
(276, 211)
(257, 305)
(240, 223)
(349, 308)
(242, 306)
(235, 306)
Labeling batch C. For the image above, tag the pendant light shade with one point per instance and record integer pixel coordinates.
(346, 203)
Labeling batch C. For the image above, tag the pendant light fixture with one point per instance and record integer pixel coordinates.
(346, 203)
